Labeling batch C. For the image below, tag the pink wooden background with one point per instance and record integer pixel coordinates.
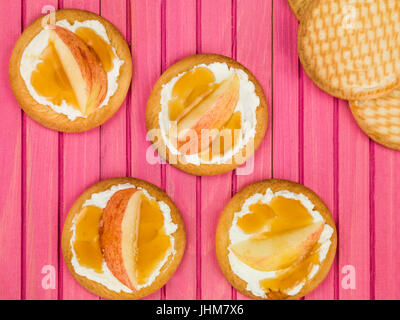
(312, 139)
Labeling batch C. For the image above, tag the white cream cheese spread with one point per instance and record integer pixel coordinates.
(247, 105)
(31, 57)
(106, 278)
(252, 276)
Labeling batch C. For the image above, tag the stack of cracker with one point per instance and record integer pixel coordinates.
(351, 49)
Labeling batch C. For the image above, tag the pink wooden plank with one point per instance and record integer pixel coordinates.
(41, 192)
(81, 168)
(180, 40)
(113, 132)
(318, 129)
(387, 223)
(113, 142)
(354, 231)
(286, 98)
(146, 53)
(10, 158)
(254, 22)
(215, 190)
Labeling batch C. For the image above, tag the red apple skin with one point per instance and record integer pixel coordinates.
(90, 66)
(111, 234)
(212, 120)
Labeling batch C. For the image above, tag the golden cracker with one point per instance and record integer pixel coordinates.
(351, 48)
(166, 271)
(380, 118)
(299, 7)
(44, 114)
(154, 107)
(235, 205)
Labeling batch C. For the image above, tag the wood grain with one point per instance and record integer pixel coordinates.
(318, 110)
(180, 41)
(256, 55)
(41, 240)
(312, 138)
(146, 54)
(386, 207)
(10, 161)
(354, 213)
(215, 190)
(81, 169)
(286, 83)
(113, 132)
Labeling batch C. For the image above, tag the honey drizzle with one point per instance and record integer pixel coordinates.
(280, 215)
(228, 138)
(152, 246)
(102, 49)
(294, 275)
(87, 242)
(153, 242)
(189, 90)
(260, 215)
(49, 78)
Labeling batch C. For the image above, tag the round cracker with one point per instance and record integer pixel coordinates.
(44, 114)
(166, 271)
(235, 205)
(380, 118)
(343, 50)
(154, 108)
(299, 7)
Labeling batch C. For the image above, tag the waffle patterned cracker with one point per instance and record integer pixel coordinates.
(299, 7)
(351, 48)
(380, 118)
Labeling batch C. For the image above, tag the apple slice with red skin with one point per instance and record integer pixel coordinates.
(82, 67)
(278, 251)
(205, 120)
(119, 234)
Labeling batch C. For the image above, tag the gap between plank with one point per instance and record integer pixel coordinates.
(128, 111)
(372, 217)
(336, 189)
(163, 67)
(234, 56)
(301, 128)
(301, 123)
(198, 179)
(23, 181)
(60, 201)
(100, 130)
(271, 116)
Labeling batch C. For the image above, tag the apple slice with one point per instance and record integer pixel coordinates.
(195, 102)
(278, 251)
(82, 67)
(119, 234)
(211, 113)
